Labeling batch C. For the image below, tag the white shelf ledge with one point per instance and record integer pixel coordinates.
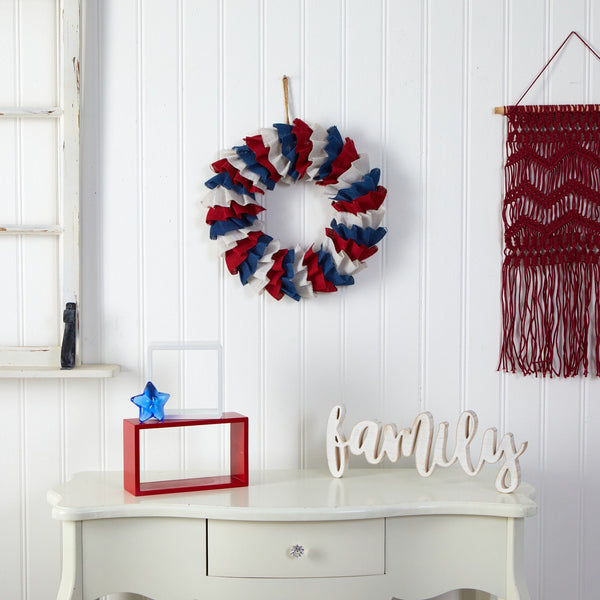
(81, 372)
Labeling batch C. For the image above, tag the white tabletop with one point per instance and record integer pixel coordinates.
(299, 496)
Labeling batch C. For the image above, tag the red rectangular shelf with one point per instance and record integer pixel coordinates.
(238, 457)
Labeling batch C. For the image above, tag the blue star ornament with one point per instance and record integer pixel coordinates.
(151, 403)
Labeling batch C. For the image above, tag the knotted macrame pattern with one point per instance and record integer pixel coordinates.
(551, 216)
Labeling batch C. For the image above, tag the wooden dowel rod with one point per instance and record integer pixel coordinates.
(502, 110)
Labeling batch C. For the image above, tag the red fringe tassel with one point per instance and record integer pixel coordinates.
(546, 319)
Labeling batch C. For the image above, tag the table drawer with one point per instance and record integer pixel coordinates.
(327, 548)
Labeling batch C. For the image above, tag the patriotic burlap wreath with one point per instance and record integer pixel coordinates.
(284, 154)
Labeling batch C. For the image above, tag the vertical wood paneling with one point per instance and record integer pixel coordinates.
(18, 201)
(403, 177)
(90, 184)
(445, 212)
(242, 307)
(9, 181)
(8, 29)
(361, 388)
(201, 321)
(567, 73)
(524, 398)
(9, 300)
(84, 447)
(200, 71)
(12, 517)
(560, 517)
(561, 479)
(413, 83)
(120, 199)
(161, 189)
(40, 280)
(42, 408)
(42, 469)
(38, 21)
(160, 175)
(8, 163)
(8, 97)
(40, 171)
(282, 29)
(82, 436)
(39, 185)
(482, 195)
(589, 525)
(324, 94)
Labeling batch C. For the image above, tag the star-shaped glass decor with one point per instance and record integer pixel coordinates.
(151, 403)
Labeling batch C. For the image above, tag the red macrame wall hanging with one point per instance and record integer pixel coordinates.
(551, 216)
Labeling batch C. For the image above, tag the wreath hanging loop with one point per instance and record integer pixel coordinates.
(286, 98)
(284, 154)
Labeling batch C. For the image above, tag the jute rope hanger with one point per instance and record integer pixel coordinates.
(285, 82)
(503, 110)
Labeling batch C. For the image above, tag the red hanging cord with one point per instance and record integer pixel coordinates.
(551, 59)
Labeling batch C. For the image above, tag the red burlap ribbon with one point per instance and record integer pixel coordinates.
(551, 215)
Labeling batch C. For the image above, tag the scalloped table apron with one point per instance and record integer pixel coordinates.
(296, 535)
(551, 214)
(286, 154)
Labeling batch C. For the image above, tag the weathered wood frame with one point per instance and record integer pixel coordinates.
(67, 230)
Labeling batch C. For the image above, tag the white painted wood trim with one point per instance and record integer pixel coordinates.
(69, 75)
(67, 113)
(29, 356)
(44, 372)
(31, 230)
(42, 112)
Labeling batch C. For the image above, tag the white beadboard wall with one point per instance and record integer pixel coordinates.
(168, 83)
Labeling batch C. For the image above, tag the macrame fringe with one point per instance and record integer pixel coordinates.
(547, 311)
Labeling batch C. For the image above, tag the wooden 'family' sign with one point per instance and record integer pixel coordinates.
(375, 441)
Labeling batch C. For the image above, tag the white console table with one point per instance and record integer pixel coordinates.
(376, 534)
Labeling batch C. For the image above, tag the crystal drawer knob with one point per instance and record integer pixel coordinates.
(297, 551)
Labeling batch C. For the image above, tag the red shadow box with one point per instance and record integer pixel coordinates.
(238, 457)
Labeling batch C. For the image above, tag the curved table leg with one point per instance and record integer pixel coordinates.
(70, 581)
(516, 584)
